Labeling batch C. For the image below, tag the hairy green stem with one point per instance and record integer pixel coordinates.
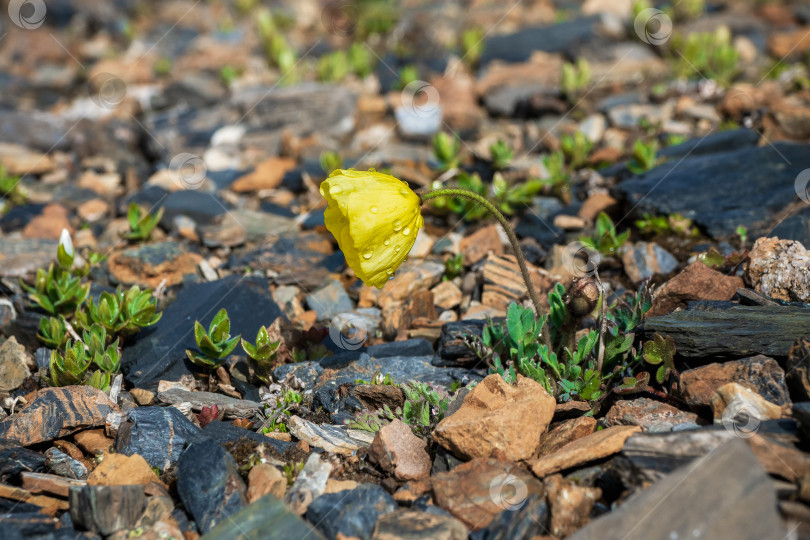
(510, 233)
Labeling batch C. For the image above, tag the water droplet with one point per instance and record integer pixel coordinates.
(390, 278)
(374, 209)
(389, 271)
(335, 190)
(368, 254)
(406, 231)
(403, 192)
(396, 249)
(387, 241)
(397, 225)
(343, 205)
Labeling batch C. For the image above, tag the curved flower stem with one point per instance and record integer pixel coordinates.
(510, 233)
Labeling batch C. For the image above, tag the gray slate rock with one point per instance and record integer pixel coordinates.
(159, 434)
(330, 300)
(725, 494)
(745, 330)
(265, 519)
(351, 513)
(106, 509)
(561, 37)
(209, 484)
(159, 351)
(747, 186)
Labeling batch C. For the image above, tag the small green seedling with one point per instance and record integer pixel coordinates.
(660, 352)
(575, 79)
(58, 290)
(501, 154)
(330, 161)
(605, 239)
(262, 355)
(447, 149)
(576, 149)
(141, 224)
(644, 157)
(216, 344)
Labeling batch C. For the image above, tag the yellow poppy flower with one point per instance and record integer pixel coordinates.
(374, 217)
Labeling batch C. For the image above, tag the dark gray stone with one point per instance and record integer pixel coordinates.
(159, 434)
(292, 260)
(159, 351)
(352, 513)
(15, 459)
(401, 368)
(225, 432)
(561, 37)
(307, 372)
(409, 347)
(202, 207)
(265, 519)
(330, 300)
(745, 330)
(795, 227)
(527, 521)
(748, 186)
(209, 484)
(724, 494)
(106, 509)
(62, 464)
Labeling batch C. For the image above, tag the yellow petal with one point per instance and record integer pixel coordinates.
(374, 217)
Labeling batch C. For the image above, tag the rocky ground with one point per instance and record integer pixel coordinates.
(658, 150)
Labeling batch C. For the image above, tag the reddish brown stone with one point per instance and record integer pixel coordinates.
(649, 415)
(263, 479)
(121, 470)
(93, 441)
(49, 224)
(398, 451)
(595, 446)
(696, 282)
(498, 415)
(760, 374)
(477, 491)
(480, 243)
(566, 432)
(267, 175)
(794, 43)
(570, 504)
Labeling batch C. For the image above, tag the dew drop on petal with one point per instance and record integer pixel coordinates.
(396, 249)
(389, 271)
(403, 192)
(387, 241)
(343, 205)
(397, 225)
(374, 209)
(406, 231)
(335, 190)
(368, 254)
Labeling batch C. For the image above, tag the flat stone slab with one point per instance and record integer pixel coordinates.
(724, 494)
(57, 412)
(746, 186)
(231, 407)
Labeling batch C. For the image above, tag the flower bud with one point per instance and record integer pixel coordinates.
(583, 296)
